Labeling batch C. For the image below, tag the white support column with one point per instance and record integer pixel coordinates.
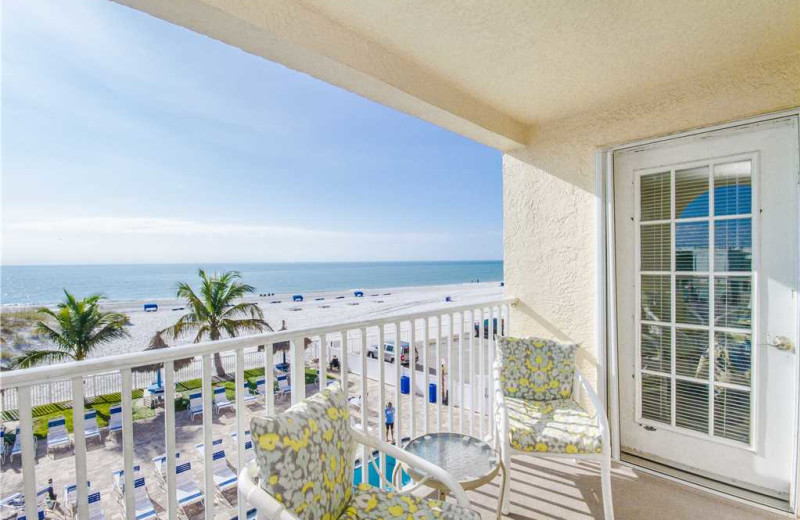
(208, 437)
(412, 368)
(398, 367)
(79, 433)
(269, 378)
(127, 443)
(169, 433)
(364, 404)
(28, 451)
(240, 428)
(427, 375)
(298, 370)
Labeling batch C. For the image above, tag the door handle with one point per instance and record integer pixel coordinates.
(782, 343)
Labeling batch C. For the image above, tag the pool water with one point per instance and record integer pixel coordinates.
(373, 476)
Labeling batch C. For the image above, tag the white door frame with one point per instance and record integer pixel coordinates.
(606, 316)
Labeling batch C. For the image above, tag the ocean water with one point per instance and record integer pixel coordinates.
(24, 285)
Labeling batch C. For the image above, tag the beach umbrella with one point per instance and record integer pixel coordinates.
(156, 343)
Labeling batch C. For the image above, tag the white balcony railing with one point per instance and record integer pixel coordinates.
(445, 339)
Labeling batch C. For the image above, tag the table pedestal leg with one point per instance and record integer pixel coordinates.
(502, 491)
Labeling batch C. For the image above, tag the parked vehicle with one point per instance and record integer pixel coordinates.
(486, 328)
(389, 353)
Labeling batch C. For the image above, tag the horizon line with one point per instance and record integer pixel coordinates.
(274, 262)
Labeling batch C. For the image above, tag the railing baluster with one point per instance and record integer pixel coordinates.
(343, 363)
(323, 361)
(481, 365)
(298, 346)
(169, 433)
(381, 393)
(489, 372)
(28, 451)
(208, 439)
(364, 405)
(439, 365)
(448, 382)
(240, 428)
(412, 367)
(127, 442)
(79, 433)
(426, 371)
(461, 373)
(398, 370)
(269, 378)
(473, 377)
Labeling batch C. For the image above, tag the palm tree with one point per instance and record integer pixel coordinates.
(214, 311)
(80, 326)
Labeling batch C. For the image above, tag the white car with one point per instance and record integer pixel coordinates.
(388, 353)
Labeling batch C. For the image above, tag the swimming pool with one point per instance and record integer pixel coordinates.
(373, 477)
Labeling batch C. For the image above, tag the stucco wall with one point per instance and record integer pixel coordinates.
(549, 189)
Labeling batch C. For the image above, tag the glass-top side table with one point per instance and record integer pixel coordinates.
(471, 461)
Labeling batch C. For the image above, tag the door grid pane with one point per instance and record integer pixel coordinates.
(696, 293)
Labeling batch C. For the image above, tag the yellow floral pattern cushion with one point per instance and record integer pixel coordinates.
(371, 503)
(536, 369)
(305, 455)
(557, 426)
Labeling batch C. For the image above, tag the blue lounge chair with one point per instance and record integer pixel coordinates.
(221, 401)
(188, 491)
(248, 396)
(90, 428)
(115, 419)
(249, 452)
(143, 505)
(195, 404)
(16, 449)
(57, 436)
(95, 507)
(224, 477)
(216, 445)
(160, 464)
(119, 480)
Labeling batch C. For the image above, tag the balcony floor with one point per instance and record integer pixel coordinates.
(540, 489)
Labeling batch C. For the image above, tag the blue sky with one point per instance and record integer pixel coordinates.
(127, 139)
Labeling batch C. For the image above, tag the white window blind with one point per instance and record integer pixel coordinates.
(695, 260)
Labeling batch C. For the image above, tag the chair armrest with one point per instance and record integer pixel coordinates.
(500, 410)
(599, 409)
(266, 505)
(418, 463)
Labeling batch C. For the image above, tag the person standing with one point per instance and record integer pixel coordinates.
(389, 413)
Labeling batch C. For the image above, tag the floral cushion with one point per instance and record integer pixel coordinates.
(370, 503)
(558, 426)
(536, 369)
(305, 455)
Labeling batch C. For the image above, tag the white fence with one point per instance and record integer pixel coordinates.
(111, 382)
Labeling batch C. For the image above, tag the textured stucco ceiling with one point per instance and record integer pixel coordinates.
(544, 59)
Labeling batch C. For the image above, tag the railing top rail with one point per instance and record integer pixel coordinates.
(44, 374)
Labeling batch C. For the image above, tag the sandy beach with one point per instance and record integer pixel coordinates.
(317, 309)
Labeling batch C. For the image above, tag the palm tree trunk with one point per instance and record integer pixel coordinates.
(218, 365)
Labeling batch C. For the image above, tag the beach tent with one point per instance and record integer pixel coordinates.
(148, 307)
(358, 294)
(297, 298)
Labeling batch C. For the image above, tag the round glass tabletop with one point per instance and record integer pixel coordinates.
(468, 459)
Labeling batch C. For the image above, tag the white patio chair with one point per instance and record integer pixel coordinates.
(119, 480)
(537, 413)
(3, 448)
(187, 490)
(57, 436)
(200, 447)
(142, 504)
(96, 507)
(160, 464)
(249, 452)
(221, 400)
(195, 404)
(248, 396)
(115, 420)
(16, 449)
(284, 388)
(224, 477)
(297, 471)
(90, 427)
